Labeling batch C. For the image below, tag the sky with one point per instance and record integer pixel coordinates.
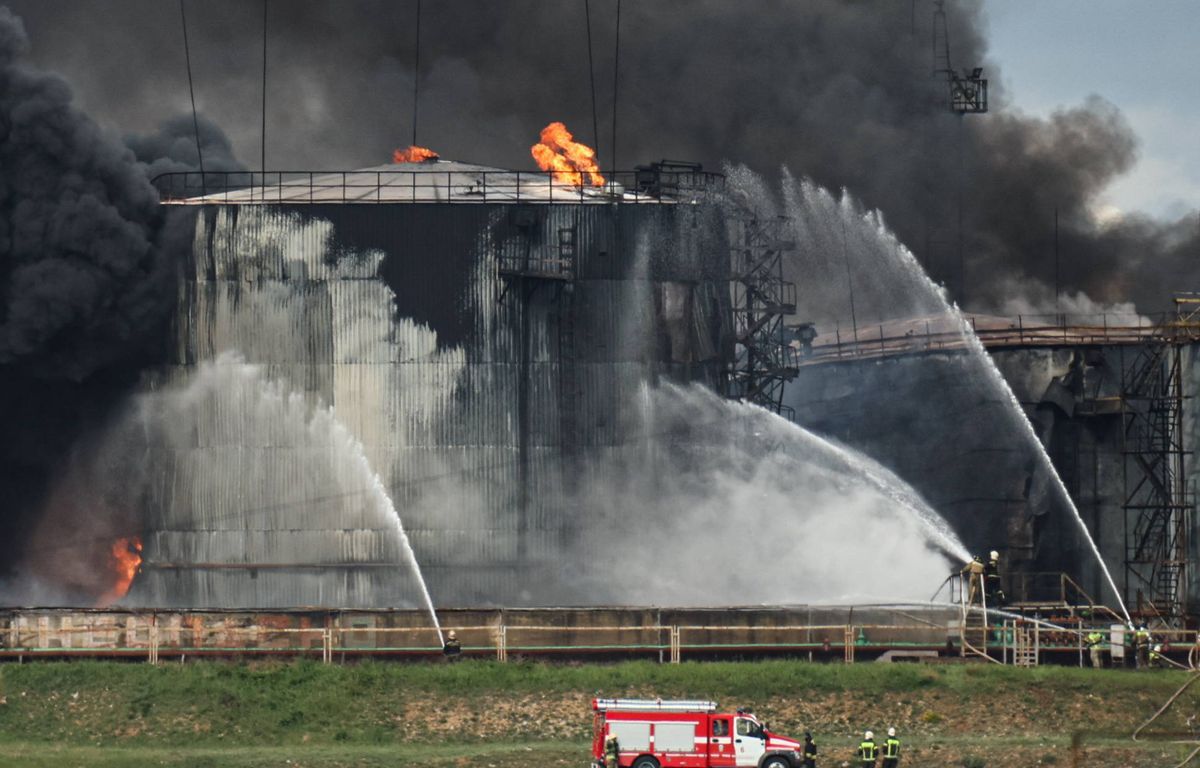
(1141, 56)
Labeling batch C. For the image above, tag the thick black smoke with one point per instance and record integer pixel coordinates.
(87, 279)
(172, 148)
(838, 91)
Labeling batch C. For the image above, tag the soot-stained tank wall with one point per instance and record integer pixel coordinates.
(477, 396)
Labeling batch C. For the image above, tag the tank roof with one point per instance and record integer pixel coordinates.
(435, 181)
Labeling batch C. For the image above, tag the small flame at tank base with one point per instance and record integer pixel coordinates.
(125, 560)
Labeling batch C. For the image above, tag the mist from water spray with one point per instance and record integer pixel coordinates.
(731, 504)
(887, 483)
(915, 294)
(242, 420)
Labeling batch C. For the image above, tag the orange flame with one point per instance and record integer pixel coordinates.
(125, 560)
(414, 154)
(566, 158)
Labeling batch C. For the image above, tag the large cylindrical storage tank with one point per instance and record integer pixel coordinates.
(482, 354)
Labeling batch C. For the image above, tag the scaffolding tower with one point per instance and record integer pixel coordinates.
(968, 90)
(763, 360)
(1158, 504)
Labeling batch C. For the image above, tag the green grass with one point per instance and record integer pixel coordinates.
(320, 756)
(375, 713)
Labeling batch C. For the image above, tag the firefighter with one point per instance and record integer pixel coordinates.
(974, 570)
(1141, 646)
(810, 751)
(868, 750)
(612, 751)
(991, 576)
(1095, 644)
(891, 750)
(451, 649)
(1156, 656)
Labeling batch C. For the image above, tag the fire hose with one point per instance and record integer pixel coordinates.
(1193, 666)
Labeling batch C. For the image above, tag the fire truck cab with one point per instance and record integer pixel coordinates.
(653, 733)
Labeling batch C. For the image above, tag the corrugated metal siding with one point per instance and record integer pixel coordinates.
(398, 318)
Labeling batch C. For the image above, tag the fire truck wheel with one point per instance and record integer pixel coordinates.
(776, 761)
(645, 761)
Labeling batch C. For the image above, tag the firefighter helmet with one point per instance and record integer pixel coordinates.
(891, 731)
(995, 555)
(868, 736)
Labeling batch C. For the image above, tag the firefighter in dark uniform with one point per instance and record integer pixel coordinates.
(810, 751)
(991, 580)
(891, 750)
(868, 751)
(612, 751)
(451, 649)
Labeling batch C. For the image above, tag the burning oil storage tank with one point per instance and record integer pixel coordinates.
(460, 339)
(1112, 397)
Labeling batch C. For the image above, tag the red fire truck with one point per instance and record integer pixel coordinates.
(652, 733)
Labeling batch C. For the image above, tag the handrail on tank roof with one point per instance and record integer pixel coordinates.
(459, 184)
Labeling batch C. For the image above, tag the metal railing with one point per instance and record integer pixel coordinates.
(143, 636)
(430, 185)
(940, 334)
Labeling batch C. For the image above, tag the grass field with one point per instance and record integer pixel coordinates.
(506, 715)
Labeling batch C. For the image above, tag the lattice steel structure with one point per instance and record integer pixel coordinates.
(969, 90)
(1158, 504)
(763, 359)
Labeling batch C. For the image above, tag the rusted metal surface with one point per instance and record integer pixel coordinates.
(940, 334)
(494, 633)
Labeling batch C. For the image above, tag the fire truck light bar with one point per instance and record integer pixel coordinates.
(674, 705)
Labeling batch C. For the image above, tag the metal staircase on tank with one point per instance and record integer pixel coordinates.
(764, 359)
(1159, 505)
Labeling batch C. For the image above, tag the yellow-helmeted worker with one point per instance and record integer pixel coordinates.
(974, 571)
(1141, 646)
(612, 751)
(1095, 644)
(868, 751)
(451, 648)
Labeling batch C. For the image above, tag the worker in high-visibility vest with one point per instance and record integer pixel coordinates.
(1141, 647)
(1156, 656)
(891, 750)
(868, 751)
(1095, 644)
(612, 751)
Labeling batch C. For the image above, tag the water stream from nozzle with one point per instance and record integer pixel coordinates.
(1019, 417)
(909, 292)
(384, 499)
